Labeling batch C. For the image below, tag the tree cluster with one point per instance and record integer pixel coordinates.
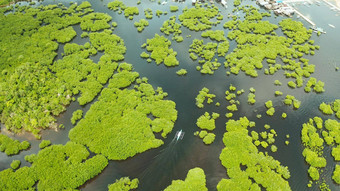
(195, 180)
(315, 134)
(124, 184)
(57, 167)
(141, 24)
(120, 118)
(171, 27)
(11, 146)
(160, 51)
(199, 18)
(258, 166)
(202, 95)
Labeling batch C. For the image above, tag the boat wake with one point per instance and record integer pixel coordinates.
(160, 169)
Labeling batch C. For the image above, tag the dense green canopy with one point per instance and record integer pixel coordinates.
(199, 18)
(313, 135)
(160, 51)
(120, 118)
(36, 89)
(124, 184)
(57, 167)
(11, 146)
(194, 181)
(258, 166)
(202, 95)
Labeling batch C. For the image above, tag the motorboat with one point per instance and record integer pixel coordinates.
(179, 135)
(331, 25)
(317, 29)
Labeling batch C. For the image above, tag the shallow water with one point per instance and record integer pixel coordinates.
(158, 167)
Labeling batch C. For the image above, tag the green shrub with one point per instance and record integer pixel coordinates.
(15, 164)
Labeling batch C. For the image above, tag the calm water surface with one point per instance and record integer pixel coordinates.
(158, 167)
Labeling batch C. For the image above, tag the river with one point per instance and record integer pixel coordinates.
(158, 167)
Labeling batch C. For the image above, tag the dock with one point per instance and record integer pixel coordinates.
(302, 16)
(331, 5)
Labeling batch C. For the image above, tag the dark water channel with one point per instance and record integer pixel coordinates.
(158, 167)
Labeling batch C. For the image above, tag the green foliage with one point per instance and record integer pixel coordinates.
(124, 184)
(314, 144)
(209, 138)
(278, 93)
(251, 98)
(232, 107)
(273, 148)
(68, 160)
(329, 109)
(296, 104)
(160, 51)
(277, 83)
(206, 122)
(326, 109)
(131, 11)
(148, 13)
(295, 30)
(95, 22)
(291, 84)
(217, 35)
(195, 180)
(15, 164)
(266, 126)
(173, 8)
(182, 72)
(203, 94)
(111, 44)
(313, 159)
(258, 165)
(336, 153)
(207, 53)
(20, 179)
(284, 115)
(313, 173)
(229, 115)
(289, 100)
(141, 24)
(78, 114)
(5, 2)
(44, 143)
(117, 5)
(237, 3)
(323, 186)
(11, 146)
(269, 104)
(199, 18)
(37, 90)
(171, 27)
(74, 65)
(121, 115)
(336, 174)
(316, 85)
(202, 134)
(257, 41)
(40, 88)
(144, 55)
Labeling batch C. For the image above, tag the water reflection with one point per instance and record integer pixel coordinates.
(158, 167)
